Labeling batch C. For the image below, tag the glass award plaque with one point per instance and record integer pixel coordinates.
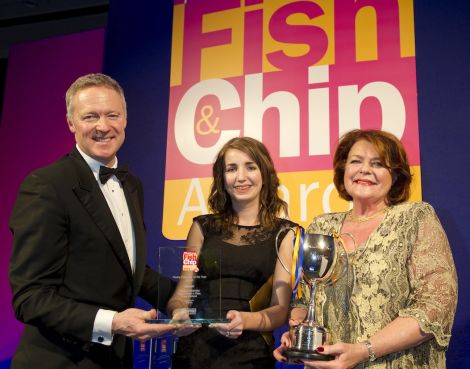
(199, 284)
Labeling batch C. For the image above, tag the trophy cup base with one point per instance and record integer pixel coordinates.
(295, 356)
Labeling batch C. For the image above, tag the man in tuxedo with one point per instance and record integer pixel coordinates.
(79, 251)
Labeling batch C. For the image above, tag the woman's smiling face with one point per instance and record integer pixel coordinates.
(242, 178)
(366, 178)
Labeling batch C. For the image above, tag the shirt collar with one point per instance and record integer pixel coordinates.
(93, 163)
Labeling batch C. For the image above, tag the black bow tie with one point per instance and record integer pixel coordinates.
(120, 172)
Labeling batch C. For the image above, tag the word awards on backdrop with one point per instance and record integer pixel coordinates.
(295, 75)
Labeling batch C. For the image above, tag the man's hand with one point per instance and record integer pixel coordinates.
(132, 323)
(186, 328)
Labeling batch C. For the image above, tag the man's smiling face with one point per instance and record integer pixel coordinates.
(98, 122)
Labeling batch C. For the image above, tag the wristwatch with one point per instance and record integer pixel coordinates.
(370, 349)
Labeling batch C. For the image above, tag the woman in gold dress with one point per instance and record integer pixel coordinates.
(404, 292)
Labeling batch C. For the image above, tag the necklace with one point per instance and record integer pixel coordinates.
(363, 219)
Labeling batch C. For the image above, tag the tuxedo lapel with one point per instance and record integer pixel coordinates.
(91, 197)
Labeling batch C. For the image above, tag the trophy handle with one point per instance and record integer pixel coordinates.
(277, 244)
(350, 235)
(346, 254)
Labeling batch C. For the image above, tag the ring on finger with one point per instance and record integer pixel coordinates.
(228, 333)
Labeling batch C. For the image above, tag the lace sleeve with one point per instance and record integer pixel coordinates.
(432, 276)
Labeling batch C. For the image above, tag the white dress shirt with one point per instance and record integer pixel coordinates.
(114, 195)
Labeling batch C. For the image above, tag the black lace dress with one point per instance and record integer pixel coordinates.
(248, 258)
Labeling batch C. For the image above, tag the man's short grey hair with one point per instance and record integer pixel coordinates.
(91, 80)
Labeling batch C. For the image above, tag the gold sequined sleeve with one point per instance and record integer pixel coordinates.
(432, 274)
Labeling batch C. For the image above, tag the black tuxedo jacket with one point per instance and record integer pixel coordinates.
(68, 261)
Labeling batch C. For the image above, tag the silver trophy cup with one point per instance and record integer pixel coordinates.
(321, 258)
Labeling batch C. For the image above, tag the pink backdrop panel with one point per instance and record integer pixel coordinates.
(33, 132)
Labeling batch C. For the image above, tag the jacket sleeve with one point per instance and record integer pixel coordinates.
(40, 227)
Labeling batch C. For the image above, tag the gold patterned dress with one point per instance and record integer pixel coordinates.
(404, 269)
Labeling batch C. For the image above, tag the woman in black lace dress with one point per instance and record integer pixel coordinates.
(242, 228)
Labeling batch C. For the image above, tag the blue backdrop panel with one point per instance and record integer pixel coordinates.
(443, 59)
(137, 53)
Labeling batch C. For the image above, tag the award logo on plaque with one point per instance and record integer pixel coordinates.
(199, 284)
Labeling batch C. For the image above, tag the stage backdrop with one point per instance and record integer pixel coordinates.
(296, 75)
(224, 54)
(138, 45)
